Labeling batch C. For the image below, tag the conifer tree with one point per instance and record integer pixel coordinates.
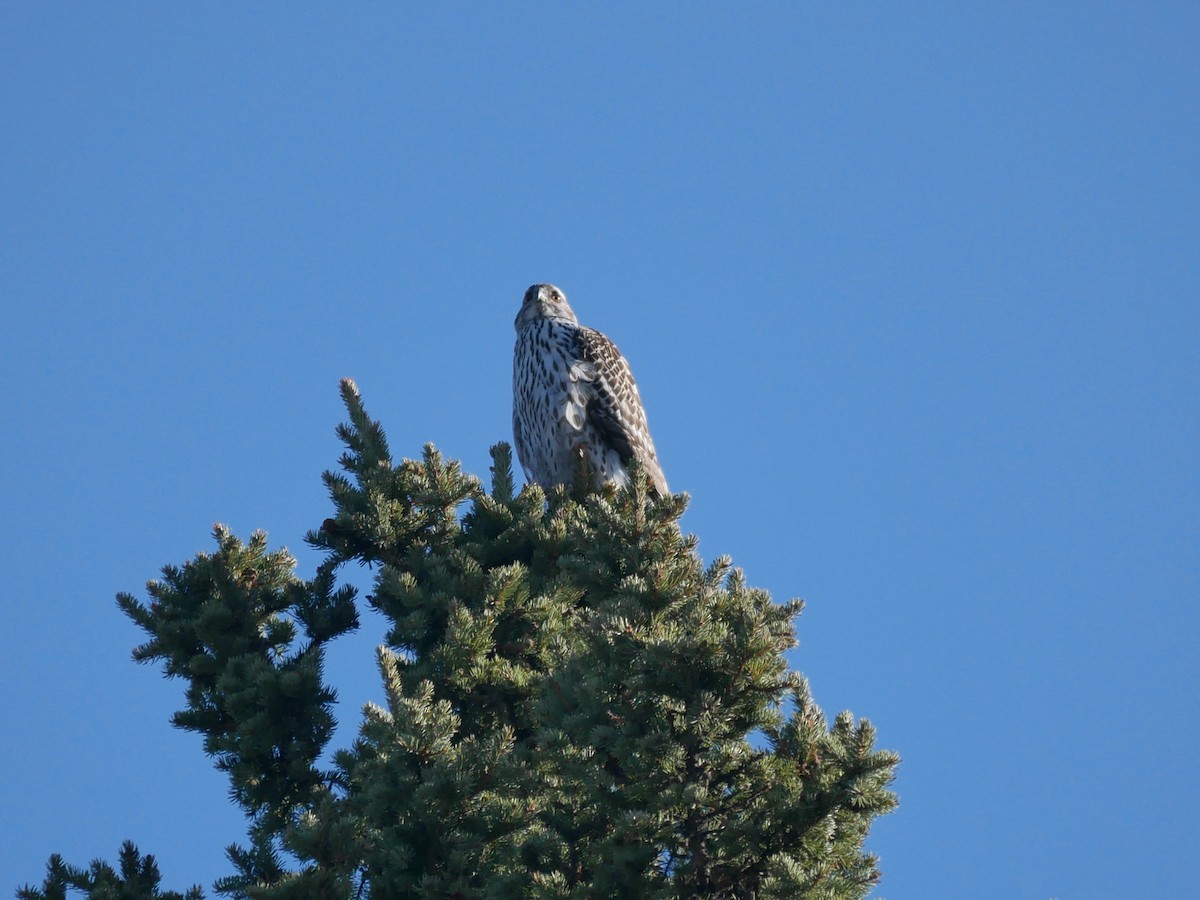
(575, 705)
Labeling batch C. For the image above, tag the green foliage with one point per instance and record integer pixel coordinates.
(138, 880)
(575, 705)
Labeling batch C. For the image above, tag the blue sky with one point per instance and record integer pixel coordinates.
(911, 290)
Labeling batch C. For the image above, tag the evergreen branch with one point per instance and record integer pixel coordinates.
(574, 703)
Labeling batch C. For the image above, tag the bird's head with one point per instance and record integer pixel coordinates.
(544, 301)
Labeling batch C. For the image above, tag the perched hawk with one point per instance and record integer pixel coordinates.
(573, 392)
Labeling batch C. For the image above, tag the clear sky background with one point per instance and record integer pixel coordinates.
(911, 290)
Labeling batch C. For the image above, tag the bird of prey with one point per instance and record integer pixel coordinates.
(573, 393)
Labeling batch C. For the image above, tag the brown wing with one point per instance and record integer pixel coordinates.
(615, 407)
